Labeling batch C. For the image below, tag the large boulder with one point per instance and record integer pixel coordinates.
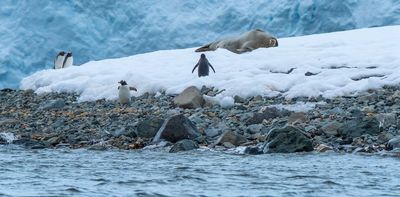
(191, 98)
(176, 128)
(148, 127)
(264, 114)
(231, 137)
(331, 128)
(184, 145)
(360, 126)
(288, 139)
(394, 143)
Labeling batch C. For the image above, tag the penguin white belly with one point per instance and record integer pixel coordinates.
(59, 62)
(124, 95)
(68, 62)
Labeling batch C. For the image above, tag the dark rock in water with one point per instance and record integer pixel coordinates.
(358, 127)
(266, 114)
(177, 128)
(190, 98)
(287, 140)
(53, 104)
(231, 137)
(32, 144)
(148, 127)
(183, 145)
(252, 150)
(394, 143)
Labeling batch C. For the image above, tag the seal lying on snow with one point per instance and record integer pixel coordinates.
(247, 42)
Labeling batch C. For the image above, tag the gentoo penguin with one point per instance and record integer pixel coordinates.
(124, 92)
(59, 60)
(68, 60)
(203, 65)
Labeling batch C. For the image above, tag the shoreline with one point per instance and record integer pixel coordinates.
(364, 123)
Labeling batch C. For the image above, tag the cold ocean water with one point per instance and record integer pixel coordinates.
(66, 172)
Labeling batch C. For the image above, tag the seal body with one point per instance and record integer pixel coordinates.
(203, 65)
(69, 59)
(247, 42)
(124, 94)
(59, 60)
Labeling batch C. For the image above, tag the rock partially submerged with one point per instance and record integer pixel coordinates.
(288, 139)
(184, 145)
(232, 138)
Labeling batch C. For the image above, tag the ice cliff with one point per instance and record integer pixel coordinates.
(32, 32)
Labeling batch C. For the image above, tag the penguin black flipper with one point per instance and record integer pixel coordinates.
(195, 67)
(211, 66)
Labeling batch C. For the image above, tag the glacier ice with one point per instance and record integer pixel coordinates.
(32, 32)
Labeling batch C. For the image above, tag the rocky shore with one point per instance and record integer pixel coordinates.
(364, 123)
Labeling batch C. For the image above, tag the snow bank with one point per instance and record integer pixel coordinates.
(332, 64)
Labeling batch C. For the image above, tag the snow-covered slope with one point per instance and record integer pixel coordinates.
(332, 64)
(32, 32)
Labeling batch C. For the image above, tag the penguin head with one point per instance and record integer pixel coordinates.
(123, 83)
(61, 53)
(202, 55)
(69, 54)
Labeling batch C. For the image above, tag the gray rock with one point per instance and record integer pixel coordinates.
(358, 127)
(232, 137)
(8, 122)
(190, 98)
(53, 104)
(184, 145)
(177, 128)
(394, 143)
(297, 117)
(228, 145)
(386, 120)
(287, 140)
(252, 150)
(331, 128)
(265, 114)
(255, 128)
(212, 132)
(239, 99)
(123, 132)
(148, 127)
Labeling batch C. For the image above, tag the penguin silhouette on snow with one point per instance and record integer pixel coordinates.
(203, 65)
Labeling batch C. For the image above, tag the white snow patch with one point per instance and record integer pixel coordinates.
(299, 106)
(8, 137)
(345, 63)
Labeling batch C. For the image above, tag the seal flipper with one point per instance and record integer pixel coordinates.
(211, 66)
(194, 68)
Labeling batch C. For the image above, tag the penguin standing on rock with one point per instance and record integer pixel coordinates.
(59, 60)
(124, 93)
(203, 65)
(68, 60)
